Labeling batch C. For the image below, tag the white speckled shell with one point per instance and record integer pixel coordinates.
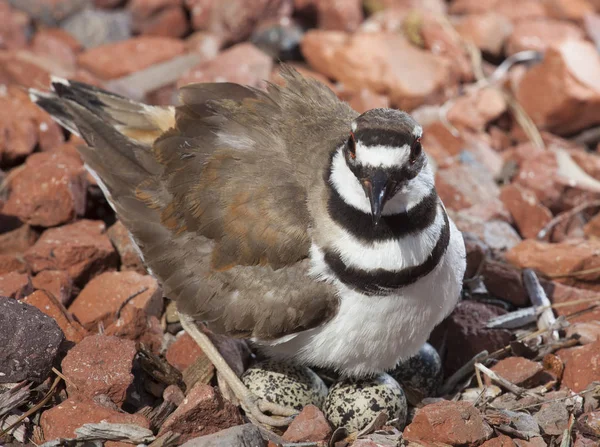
(354, 403)
(288, 385)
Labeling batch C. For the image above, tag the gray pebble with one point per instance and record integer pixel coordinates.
(354, 403)
(288, 385)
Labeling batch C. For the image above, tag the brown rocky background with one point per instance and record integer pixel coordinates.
(508, 93)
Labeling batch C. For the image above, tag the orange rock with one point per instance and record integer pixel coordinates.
(569, 9)
(500, 441)
(57, 283)
(15, 285)
(183, 352)
(135, 324)
(309, 426)
(528, 213)
(133, 55)
(159, 17)
(518, 370)
(461, 186)
(476, 109)
(104, 295)
(561, 293)
(488, 31)
(53, 308)
(58, 44)
(571, 71)
(13, 24)
(130, 259)
(341, 16)
(389, 65)
(582, 366)
(17, 240)
(538, 34)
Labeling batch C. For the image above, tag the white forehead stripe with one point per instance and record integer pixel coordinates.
(417, 131)
(353, 126)
(384, 156)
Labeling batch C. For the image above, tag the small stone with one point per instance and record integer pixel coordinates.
(536, 441)
(422, 372)
(183, 352)
(135, 324)
(574, 10)
(500, 441)
(553, 418)
(559, 293)
(204, 411)
(159, 17)
(94, 27)
(309, 426)
(538, 34)
(62, 420)
(82, 249)
(15, 285)
(571, 70)
(30, 341)
(504, 281)
(57, 44)
(57, 283)
(134, 55)
(487, 31)
(333, 53)
(467, 335)
(477, 252)
(12, 263)
(454, 423)
(100, 364)
(529, 214)
(588, 331)
(173, 393)
(243, 64)
(13, 27)
(474, 110)
(247, 435)
(589, 423)
(49, 191)
(518, 370)
(130, 258)
(582, 441)
(497, 234)
(17, 240)
(582, 366)
(463, 185)
(355, 403)
(340, 16)
(72, 330)
(104, 295)
(288, 385)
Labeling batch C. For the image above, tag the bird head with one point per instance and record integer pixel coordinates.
(383, 151)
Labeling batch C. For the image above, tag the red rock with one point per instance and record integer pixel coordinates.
(589, 162)
(53, 308)
(488, 31)
(518, 370)
(500, 441)
(100, 364)
(15, 285)
(539, 173)
(476, 109)
(468, 336)
(536, 441)
(243, 64)
(49, 191)
(471, 6)
(461, 186)
(587, 332)
(159, 17)
(133, 55)
(341, 16)
(81, 248)
(23, 125)
(560, 293)
(574, 10)
(529, 214)
(505, 282)
(364, 100)
(130, 259)
(183, 352)
(592, 227)
(173, 393)
(58, 44)
(514, 10)
(235, 20)
(559, 258)
(553, 418)
(582, 366)
(22, 68)
(496, 234)
(134, 324)
(13, 25)
(309, 426)
(103, 296)
(334, 53)
(454, 423)
(18, 240)
(204, 411)
(571, 70)
(62, 420)
(589, 423)
(57, 283)
(477, 251)
(538, 34)
(11, 263)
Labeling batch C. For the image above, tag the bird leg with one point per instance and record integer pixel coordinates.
(252, 404)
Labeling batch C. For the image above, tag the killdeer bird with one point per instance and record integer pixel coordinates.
(282, 216)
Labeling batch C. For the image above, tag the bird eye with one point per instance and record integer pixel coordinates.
(415, 150)
(352, 146)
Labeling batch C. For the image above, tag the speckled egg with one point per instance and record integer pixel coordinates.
(354, 403)
(422, 372)
(284, 384)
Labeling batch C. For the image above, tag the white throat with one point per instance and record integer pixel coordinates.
(350, 190)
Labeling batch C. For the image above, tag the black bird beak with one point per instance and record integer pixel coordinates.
(376, 189)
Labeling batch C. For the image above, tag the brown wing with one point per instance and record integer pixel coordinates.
(216, 209)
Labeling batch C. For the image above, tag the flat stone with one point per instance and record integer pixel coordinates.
(135, 324)
(204, 411)
(309, 426)
(246, 435)
(582, 366)
(488, 31)
(538, 34)
(57, 283)
(15, 285)
(454, 423)
(130, 258)
(589, 423)
(100, 364)
(104, 295)
(505, 282)
(518, 370)
(49, 305)
(500, 441)
(529, 214)
(94, 27)
(553, 418)
(474, 110)
(30, 341)
(587, 331)
(62, 420)
(15, 240)
(82, 249)
(461, 186)
(183, 352)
